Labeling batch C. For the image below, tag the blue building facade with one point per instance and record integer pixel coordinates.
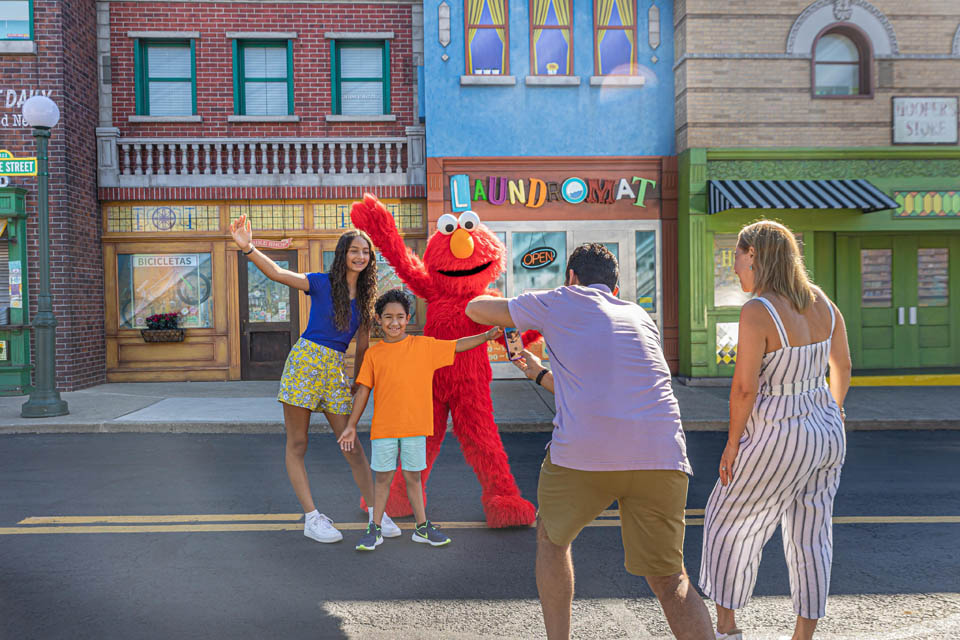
(520, 112)
(553, 120)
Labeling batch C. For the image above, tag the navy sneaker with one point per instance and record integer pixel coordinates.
(427, 533)
(371, 539)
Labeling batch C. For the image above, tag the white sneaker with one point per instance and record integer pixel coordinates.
(321, 529)
(736, 634)
(389, 528)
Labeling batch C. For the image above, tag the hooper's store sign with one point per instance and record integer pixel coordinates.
(466, 191)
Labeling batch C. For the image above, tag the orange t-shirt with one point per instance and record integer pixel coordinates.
(401, 376)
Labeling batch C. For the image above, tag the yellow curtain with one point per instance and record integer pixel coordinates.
(562, 9)
(475, 10)
(497, 13)
(626, 9)
(604, 9)
(538, 11)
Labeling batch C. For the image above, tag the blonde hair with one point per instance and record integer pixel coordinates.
(777, 263)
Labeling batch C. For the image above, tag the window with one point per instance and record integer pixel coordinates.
(166, 77)
(488, 37)
(361, 78)
(615, 37)
(841, 63)
(16, 21)
(551, 39)
(263, 77)
(152, 283)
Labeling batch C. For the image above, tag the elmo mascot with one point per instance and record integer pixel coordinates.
(462, 259)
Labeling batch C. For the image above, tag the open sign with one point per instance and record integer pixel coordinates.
(538, 258)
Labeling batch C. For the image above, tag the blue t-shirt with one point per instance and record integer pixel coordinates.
(322, 329)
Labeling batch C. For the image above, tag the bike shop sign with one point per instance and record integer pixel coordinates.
(166, 260)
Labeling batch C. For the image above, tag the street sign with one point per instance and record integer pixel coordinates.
(10, 166)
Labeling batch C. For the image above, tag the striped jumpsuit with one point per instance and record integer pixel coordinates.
(786, 471)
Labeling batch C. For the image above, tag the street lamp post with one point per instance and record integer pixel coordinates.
(42, 114)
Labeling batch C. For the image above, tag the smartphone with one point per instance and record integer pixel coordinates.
(514, 343)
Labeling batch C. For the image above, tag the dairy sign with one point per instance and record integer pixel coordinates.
(918, 120)
(467, 191)
(13, 100)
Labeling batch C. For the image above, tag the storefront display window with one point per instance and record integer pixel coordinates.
(726, 284)
(407, 215)
(501, 282)
(165, 283)
(646, 250)
(267, 301)
(538, 259)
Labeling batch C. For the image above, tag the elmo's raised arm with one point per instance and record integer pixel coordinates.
(372, 217)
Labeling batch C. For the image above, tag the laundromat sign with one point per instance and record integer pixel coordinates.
(467, 191)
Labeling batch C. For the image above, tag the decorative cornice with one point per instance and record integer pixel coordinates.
(841, 8)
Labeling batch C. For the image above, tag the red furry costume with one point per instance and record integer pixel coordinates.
(448, 283)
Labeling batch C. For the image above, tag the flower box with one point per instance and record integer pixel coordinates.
(162, 335)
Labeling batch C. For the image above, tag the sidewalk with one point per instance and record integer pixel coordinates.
(519, 405)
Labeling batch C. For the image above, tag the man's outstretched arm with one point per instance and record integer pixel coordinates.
(490, 310)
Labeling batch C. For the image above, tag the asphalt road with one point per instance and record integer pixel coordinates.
(155, 578)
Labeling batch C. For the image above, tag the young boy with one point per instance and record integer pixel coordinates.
(400, 369)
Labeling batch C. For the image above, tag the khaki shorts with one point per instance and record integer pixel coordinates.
(651, 504)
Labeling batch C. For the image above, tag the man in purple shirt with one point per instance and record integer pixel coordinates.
(617, 436)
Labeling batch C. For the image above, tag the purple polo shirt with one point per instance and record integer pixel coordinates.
(615, 405)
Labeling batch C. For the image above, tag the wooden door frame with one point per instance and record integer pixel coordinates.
(292, 257)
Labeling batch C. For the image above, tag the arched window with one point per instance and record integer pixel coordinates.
(841, 63)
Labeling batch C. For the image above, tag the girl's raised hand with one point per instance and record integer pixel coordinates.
(241, 232)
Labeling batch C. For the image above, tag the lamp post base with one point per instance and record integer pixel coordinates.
(48, 406)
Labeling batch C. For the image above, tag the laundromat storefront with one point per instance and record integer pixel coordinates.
(543, 208)
(178, 257)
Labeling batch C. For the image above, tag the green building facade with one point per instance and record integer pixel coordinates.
(894, 273)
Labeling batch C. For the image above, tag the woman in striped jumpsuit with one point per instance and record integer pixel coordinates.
(786, 442)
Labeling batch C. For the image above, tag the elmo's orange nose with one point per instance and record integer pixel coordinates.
(461, 244)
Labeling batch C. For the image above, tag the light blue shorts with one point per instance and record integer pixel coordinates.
(413, 453)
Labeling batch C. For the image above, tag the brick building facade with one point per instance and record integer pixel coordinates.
(842, 103)
(283, 111)
(55, 56)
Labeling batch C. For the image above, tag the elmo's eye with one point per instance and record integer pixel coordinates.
(469, 220)
(447, 224)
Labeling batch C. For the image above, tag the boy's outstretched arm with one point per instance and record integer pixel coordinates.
(349, 435)
(465, 344)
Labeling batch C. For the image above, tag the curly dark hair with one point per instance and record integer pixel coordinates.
(366, 283)
(393, 295)
(593, 263)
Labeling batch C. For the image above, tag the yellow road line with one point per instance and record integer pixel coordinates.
(225, 517)
(359, 526)
(907, 380)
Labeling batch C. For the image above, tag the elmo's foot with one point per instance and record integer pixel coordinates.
(509, 511)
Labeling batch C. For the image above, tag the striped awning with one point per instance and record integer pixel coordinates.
(796, 194)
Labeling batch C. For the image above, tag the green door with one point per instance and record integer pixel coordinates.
(895, 292)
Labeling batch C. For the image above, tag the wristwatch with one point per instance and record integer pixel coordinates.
(248, 251)
(540, 375)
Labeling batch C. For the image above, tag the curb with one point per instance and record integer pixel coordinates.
(247, 428)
